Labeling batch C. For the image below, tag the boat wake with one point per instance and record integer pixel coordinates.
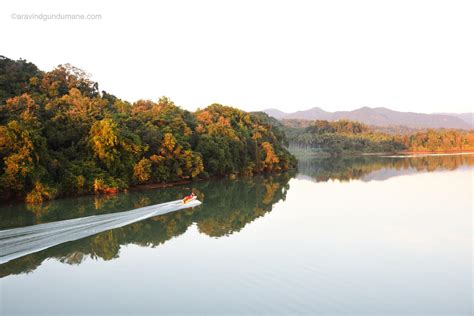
(18, 242)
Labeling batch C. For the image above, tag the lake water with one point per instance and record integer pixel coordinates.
(342, 236)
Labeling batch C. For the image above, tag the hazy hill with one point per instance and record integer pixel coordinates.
(467, 117)
(311, 114)
(276, 113)
(381, 116)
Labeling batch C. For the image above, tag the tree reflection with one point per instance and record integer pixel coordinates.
(359, 167)
(228, 206)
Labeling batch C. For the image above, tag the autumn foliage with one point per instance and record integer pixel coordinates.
(345, 136)
(60, 135)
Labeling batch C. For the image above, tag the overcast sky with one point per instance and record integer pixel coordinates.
(291, 55)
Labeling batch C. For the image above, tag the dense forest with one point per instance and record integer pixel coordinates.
(60, 135)
(344, 136)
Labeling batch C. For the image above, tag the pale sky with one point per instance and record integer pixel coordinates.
(291, 55)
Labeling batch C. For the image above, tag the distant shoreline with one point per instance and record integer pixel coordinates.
(386, 154)
(428, 154)
(439, 152)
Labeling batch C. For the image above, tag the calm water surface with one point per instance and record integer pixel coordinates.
(366, 235)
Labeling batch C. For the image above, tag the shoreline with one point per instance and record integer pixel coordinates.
(387, 154)
(144, 187)
(152, 186)
(428, 154)
(447, 152)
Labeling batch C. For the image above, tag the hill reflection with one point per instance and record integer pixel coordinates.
(368, 168)
(228, 207)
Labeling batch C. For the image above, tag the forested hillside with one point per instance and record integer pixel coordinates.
(353, 137)
(59, 135)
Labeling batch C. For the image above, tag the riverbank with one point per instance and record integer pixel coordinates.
(153, 186)
(232, 176)
(146, 187)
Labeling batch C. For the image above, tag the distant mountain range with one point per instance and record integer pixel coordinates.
(381, 116)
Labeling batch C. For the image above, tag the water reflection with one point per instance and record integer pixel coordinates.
(229, 206)
(369, 168)
(401, 245)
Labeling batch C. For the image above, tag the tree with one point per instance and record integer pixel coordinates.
(142, 170)
(104, 141)
(20, 152)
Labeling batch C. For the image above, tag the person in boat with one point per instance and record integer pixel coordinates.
(189, 198)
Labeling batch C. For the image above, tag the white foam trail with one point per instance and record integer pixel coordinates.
(18, 242)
